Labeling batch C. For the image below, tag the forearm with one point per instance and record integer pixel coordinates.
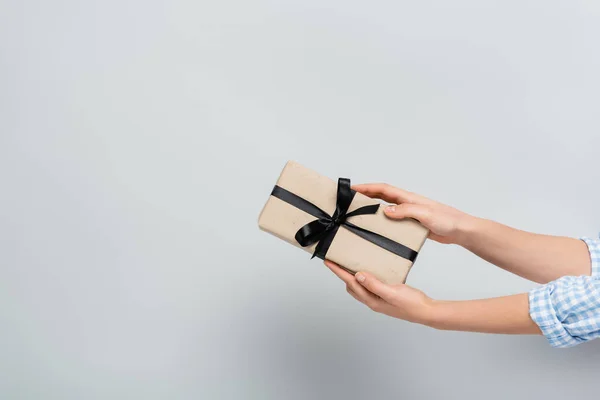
(507, 315)
(540, 258)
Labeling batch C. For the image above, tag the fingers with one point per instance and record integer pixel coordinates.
(389, 193)
(376, 287)
(355, 289)
(351, 293)
(364, 296)
(339, 271)
(347, 277)
(420, 212)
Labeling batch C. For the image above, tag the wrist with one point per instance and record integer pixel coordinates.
(442, 315)
(430, 314)
(466, 228)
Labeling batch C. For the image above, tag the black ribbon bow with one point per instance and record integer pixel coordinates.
(325, 227)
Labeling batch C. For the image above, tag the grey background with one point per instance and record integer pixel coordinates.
(140, 139)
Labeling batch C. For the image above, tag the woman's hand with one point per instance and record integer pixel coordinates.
(540, 258)
(508, 314)
(444, 222)
(399, 301)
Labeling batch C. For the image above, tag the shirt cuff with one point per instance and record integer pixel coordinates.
(594, 250)
(543, 314)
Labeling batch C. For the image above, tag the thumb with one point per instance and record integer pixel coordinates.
(420, 212)
(375, 286)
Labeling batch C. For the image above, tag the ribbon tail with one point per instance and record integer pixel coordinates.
(324, 243)
(383, 242)
(365, 210)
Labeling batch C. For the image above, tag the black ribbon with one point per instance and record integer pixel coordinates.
(325, 227)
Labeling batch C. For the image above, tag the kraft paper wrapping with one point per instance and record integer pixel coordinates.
(348, 250)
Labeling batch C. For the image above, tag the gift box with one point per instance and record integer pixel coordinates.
(332, 221)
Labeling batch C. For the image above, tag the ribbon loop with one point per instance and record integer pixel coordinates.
(312, 232)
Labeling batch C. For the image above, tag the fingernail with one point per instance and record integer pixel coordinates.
(390, 209)
(360, 277)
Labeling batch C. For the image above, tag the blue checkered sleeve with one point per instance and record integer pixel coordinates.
(567, 310)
